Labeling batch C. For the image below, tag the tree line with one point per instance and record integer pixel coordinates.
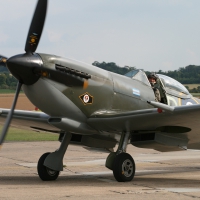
(7, 81)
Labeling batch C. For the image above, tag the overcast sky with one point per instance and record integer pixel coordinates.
(147, 34)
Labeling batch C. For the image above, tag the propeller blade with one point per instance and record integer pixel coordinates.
(36, 27)
(9, 117)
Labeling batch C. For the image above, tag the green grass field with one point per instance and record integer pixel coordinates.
(8, 91)
(195, 94)
(15, 134)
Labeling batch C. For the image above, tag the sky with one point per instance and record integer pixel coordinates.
(147, 34)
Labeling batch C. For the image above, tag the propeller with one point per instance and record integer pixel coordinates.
(27, 68)
(21, 66)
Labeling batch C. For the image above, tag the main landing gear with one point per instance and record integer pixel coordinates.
(50, 164)
(120, 162)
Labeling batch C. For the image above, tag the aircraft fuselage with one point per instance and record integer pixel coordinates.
(105, 91)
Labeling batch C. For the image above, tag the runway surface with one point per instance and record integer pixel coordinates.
(174, 175)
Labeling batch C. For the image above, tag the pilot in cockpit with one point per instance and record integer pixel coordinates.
(152, 79)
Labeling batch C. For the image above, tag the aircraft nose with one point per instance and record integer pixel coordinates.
(22, 67)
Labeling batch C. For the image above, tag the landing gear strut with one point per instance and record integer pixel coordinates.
(120, 162)
(50, 164)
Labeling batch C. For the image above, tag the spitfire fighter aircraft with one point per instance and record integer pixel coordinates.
(89, 106)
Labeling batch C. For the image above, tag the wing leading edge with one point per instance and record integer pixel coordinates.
(28, 120)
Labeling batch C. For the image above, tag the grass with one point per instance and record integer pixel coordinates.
(15, 134)
(195, 94)
(8, 91)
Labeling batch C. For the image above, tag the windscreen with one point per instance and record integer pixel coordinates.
(138, 75)
(132, 73)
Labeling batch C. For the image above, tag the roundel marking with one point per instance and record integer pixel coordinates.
(86, 98)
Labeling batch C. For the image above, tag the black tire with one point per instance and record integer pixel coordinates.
(124, 167)
(45, 173)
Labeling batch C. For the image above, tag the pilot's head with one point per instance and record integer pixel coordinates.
(152, 78)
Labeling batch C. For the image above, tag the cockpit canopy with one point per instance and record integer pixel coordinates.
(169, 84)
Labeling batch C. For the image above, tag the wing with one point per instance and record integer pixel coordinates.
(39, 121)
(172, 126)
(28, 120)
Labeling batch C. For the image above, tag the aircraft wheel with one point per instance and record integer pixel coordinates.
(45, 173)
(124, 167)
